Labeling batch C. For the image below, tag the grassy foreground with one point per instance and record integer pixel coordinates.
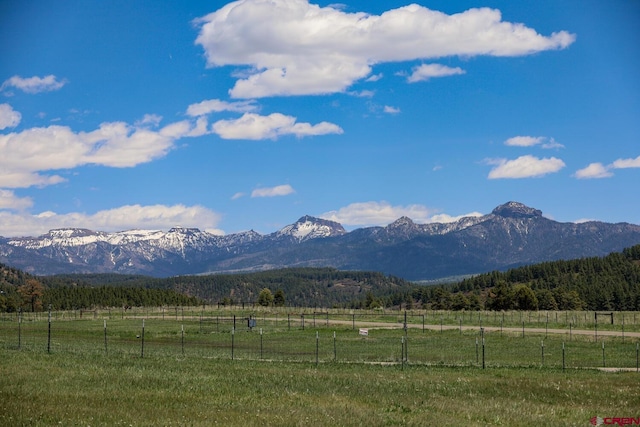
(37, 388)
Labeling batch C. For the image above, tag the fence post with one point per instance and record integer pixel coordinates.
(570, 331)
(542, 347)
(49, 333)
(19, 329)
(477, 353)
(142, 346)
(402, 353)
(482, 333)
(563, 364)
(604, 364)
(233, 330)
(317, 347)
(335, 353)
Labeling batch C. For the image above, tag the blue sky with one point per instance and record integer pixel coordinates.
(248, 115)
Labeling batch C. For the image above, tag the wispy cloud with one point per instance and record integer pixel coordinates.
(122, 218)
(287, 50)
(218, 106)
(382, 213)
(530, 141)
(152, 120)
(278, 190)
(33, 84)
(391, 110)
(255, 127)
(523, 167)
(425, 72)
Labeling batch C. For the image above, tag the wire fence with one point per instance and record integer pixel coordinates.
(483, 339)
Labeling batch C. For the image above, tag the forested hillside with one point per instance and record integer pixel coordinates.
(20, 290)
(607, 283)
(302, 287)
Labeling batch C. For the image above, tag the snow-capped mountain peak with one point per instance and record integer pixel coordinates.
(309, 227)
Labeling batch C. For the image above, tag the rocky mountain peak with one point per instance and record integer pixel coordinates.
(184, 230)
(516, 210)
(309, 227)
(69, 233)
(402, 222)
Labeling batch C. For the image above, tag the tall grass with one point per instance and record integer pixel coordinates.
(89, 389)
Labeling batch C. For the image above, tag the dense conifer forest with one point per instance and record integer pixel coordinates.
(20, 290)
(598, 283)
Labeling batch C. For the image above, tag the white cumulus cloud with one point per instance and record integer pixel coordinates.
(427, 71)
(152, 217)
(8, 200)
(9, 118)
(382, 213)
(599, 170)
(25, 155)
(278, 190)
(524, 167)
(594, 170)
(255, 127)
(626, 163)
(376, 213)
(33, 84)
(293, 47)
(391, 110)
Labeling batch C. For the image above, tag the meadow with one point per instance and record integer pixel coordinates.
(188, 368)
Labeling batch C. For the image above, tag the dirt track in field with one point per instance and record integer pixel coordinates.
(384, 325)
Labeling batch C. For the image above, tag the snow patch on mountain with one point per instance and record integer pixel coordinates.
(309, 227)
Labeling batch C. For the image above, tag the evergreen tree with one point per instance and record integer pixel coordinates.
(278, 298)
(265, 298)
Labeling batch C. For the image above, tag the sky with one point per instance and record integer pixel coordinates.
(231, 116)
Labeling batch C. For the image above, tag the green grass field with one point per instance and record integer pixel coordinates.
(289, 376)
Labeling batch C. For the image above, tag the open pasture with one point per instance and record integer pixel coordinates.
(191, 369)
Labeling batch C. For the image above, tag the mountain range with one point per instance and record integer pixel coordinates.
(511, 235)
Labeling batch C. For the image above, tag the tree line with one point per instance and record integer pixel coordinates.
(596, 283)
(22, 291)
